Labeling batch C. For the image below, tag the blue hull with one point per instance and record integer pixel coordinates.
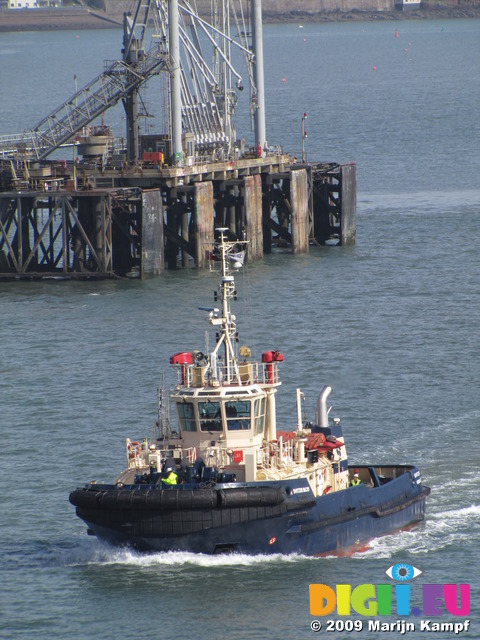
(255, 518)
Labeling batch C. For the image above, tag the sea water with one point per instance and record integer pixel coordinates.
(390, 323)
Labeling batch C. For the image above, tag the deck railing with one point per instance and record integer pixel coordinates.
(190, 375)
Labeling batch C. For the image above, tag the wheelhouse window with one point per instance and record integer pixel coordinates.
(186, 415)
(259, 415)
(238, 414)
(210, 416)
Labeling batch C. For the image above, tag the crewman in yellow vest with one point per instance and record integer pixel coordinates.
(355, 480)
(171, 477)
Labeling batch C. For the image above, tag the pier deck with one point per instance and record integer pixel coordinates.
(82, 221)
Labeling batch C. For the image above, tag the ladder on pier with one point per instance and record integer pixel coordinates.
(105, 91)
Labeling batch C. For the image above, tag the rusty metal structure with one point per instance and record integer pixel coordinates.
(131, 211)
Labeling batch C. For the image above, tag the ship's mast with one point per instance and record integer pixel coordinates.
(226, 322)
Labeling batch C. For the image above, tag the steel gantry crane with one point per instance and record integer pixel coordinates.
(203, 95)
(120, 81)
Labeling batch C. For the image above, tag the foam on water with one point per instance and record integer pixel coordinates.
(101, 553)
(439, 531)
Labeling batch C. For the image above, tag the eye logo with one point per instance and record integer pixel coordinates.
(402, 572)
(387, 599)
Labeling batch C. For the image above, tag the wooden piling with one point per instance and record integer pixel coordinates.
(300, 219)
(204, 222)
(128, 222)
(253, 216)
(348, 203)
(153, 258)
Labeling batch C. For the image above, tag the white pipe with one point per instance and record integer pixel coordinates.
(176, 85)
(207, 25)
(322, 412)
(196, 56)
(299, 410)
(301, 451)
(271, 422)
(260, 134)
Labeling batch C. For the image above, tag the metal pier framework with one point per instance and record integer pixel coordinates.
(133, 210)
(136, 225)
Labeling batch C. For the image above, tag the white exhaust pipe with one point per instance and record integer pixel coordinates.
(322, 412)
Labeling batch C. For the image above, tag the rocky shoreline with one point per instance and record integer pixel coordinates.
(85, 18)
(370, 16)
(56, 20)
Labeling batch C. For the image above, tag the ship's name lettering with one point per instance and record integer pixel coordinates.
(301, 490)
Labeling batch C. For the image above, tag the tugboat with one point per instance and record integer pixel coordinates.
(228, 480)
